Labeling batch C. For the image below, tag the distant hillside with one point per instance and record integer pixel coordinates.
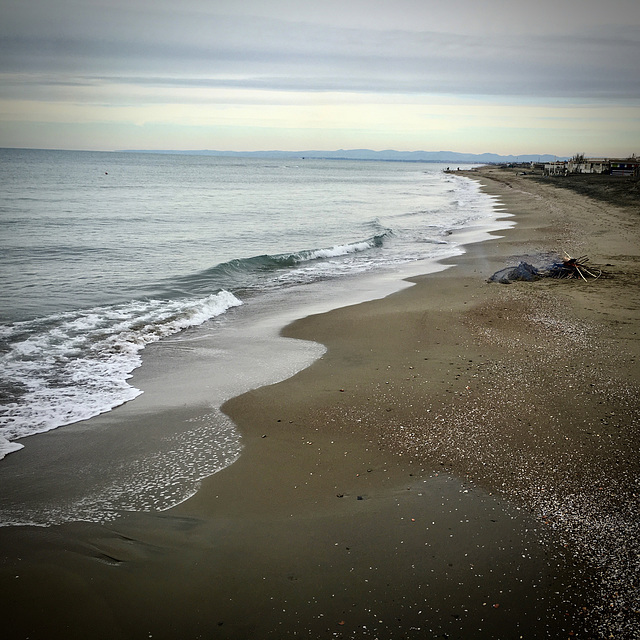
(368, 154)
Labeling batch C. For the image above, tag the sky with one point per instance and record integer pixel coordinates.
(498, 76)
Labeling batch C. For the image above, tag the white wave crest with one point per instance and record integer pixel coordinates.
(75, 366)
(341, 250)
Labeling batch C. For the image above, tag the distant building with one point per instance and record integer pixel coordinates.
(606, 166)
(558, 168)
(589, 165)
(628, 167)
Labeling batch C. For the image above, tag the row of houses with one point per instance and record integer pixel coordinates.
(608, 166)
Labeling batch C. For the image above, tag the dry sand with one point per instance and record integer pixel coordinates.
(462, 463)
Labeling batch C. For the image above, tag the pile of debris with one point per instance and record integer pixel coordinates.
(567, 268)
(572, 268)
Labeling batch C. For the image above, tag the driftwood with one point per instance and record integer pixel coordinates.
(566, 269)
(572, 268)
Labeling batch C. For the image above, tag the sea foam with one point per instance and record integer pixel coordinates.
(71, 367)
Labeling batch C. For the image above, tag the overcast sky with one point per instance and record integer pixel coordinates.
(503, 76)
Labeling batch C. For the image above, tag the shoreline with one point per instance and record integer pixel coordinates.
(252, 342)
(326, 525)
(534, 389)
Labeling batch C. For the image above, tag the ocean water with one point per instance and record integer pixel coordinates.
(105, 254)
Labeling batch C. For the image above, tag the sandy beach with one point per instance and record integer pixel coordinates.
(461, 463)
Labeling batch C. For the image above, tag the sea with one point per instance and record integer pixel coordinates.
(112, 259)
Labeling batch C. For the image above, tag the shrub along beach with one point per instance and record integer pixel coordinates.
(462, 462)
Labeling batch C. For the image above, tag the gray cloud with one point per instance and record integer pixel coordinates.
(83, 44)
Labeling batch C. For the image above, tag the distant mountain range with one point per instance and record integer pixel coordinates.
(368, 154)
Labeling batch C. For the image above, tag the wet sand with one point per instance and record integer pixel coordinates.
(462, 462)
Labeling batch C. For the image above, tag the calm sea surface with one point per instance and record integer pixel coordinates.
(103, 254)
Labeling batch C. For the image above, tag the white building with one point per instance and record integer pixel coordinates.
(558, 168)
(589, 165)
